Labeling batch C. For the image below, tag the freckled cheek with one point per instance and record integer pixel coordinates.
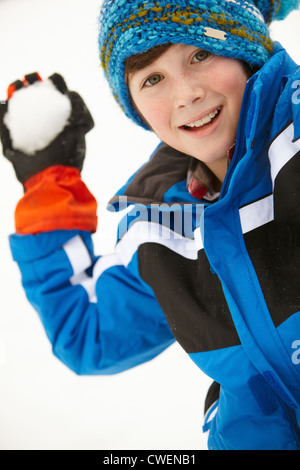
(226, 85)
(157, 114)
(234, 93)
(228, 80)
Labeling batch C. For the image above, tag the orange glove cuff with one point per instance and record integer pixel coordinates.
(56, 199)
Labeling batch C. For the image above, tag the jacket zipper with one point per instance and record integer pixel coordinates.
(240, 147)
(291, 417)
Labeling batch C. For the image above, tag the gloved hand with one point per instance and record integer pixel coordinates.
(67, 148)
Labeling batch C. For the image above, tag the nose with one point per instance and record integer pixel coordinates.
(187, 90)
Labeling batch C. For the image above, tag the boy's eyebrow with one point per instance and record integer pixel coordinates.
(142, 74)
(144, 71)
(141, 61)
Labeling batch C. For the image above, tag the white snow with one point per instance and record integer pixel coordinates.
(43, 405)
(36, 115)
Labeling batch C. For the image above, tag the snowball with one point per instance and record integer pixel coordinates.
(36, 115)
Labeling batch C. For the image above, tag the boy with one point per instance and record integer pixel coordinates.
(220, 273)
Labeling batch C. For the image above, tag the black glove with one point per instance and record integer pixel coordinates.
(68, 148)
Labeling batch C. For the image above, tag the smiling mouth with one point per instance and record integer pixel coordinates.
(204, 122)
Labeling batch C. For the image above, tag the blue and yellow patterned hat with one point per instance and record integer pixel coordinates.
(231, 28)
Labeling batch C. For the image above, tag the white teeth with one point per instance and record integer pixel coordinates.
(204, 120)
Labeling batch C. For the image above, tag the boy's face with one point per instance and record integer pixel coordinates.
(192, 101)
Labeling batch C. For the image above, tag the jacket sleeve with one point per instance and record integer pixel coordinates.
(99, 315)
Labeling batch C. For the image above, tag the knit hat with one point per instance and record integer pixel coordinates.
(231, 28)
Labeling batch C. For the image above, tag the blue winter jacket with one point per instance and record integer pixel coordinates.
(222, 279)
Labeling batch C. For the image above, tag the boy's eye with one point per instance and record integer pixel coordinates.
(201, 55)
(153, 80)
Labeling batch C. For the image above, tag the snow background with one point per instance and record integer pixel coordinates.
(43, 405)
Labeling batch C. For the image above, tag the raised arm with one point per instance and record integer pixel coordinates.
(99, 315)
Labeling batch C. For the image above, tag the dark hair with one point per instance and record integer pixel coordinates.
(138, 62)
